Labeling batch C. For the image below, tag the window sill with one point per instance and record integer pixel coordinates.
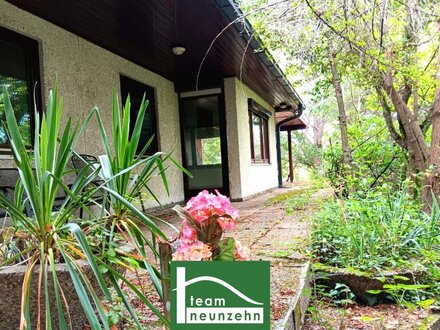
(260, 163)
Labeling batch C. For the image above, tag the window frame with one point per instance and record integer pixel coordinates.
(151, 111)
(254, 109)
(32, 51)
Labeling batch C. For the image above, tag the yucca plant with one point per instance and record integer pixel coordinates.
(47, 234)
(51, 235)
(126, 173)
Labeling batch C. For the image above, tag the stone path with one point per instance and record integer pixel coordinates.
(275, 235)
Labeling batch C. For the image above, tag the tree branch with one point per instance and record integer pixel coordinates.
(405, 93)
(424, 126)
(382, 172)
(414, 137)
(386, 110)
(382, 23)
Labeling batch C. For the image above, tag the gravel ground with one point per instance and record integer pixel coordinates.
(356, 317)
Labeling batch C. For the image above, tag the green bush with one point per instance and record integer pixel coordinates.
(377, 160)
(374, 232)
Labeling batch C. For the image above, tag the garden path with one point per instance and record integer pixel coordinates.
(273, 233)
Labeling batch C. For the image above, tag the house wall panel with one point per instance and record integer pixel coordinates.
(246, 178)
(232, 135)
(86, 75)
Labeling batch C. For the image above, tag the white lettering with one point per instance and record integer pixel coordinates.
(206, 315)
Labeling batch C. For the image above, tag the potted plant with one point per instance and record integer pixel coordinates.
(126, 173)
(58, 261)
(205, 218)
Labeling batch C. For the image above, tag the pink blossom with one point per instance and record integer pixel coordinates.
(205, 205)
(226, 223)
(197, 251)
(241, 252)
(188, 235)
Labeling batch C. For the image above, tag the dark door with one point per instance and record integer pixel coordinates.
(204, 144)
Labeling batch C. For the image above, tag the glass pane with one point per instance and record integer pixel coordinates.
(202, 142)
(137, 90)
(14, 75)
(256, 132)
(147, 129)
(211, 151)
(265, 139)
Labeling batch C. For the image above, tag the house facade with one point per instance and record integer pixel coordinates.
(216, 111)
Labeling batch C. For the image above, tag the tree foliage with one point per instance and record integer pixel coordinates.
(388, 50)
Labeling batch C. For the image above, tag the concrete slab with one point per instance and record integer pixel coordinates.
(273, 234)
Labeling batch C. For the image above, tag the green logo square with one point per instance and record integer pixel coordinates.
(220, 295)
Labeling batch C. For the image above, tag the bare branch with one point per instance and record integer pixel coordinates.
(382, 22)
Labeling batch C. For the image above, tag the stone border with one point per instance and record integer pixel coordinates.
(294, 317)
(433, 322)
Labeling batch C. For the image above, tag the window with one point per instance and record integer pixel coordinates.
(19, 71)
(136, 90)
(258, 125)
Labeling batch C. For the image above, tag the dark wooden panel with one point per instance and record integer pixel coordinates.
(143, 31)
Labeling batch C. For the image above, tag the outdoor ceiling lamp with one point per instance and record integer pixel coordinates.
(283, 106)
(178, 49)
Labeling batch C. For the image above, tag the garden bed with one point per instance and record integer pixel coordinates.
(324, 316)
(377, 249)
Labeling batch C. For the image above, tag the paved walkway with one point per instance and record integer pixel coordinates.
(273, 234)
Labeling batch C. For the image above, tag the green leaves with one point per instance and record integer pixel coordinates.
(376, 230)
(227, 250)
(52, 194)
(382, 233)
(126, 175)
(426, 303)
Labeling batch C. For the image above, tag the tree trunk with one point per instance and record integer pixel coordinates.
(414, 139)
(341, 110)
(431, 182)
(318, 131)
(386, 112)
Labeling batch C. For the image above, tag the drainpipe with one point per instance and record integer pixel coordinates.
(297, 114)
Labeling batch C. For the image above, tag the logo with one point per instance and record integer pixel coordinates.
(220, 295)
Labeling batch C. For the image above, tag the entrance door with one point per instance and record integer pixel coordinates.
(204, 144)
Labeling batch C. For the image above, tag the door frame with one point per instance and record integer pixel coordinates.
(223, 138)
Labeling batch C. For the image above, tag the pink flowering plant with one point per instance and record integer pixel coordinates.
(204, 219)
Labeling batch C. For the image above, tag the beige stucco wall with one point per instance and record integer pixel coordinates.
(245, 178)
(86, 74)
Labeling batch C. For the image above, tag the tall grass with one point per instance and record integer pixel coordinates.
(376, 232)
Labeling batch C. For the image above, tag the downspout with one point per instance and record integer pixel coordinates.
(297, 114)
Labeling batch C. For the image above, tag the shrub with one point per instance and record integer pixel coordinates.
(375, 231)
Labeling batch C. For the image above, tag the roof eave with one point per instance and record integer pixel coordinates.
(245, 30)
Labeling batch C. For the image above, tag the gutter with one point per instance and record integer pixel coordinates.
(278, 126)
(234, 14)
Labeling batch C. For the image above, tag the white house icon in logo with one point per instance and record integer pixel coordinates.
(216, 311)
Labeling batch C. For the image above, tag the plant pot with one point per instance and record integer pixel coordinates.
(11, 281)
